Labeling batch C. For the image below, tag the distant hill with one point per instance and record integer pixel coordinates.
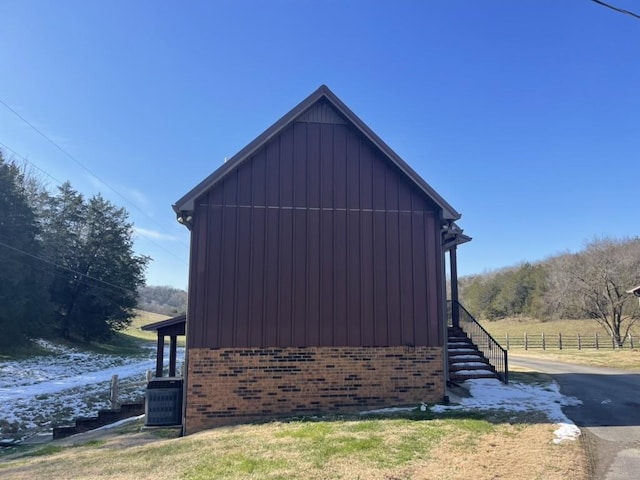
(162, 299)
(591, 283)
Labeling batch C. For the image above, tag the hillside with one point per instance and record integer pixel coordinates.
(592, 283)
(162, 299)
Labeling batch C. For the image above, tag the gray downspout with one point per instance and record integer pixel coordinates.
(444, 319)
(453, 270)
(190, 284)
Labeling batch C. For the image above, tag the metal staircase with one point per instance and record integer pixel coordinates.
(465, 360)
(472, 351)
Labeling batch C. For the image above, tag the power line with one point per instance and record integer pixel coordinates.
(60, 274)
(30, 162)
(43, 135)
(60, 182)
(57, 265)
(617, 9)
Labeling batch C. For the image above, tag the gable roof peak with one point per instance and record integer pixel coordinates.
(186, 203)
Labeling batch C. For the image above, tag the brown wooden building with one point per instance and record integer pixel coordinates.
(317, 275)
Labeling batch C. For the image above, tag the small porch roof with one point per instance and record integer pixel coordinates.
(171, 327)
(453, 236)
(168, 327)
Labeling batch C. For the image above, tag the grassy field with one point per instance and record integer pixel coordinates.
(126, 343)
(518, 326)
(385, 449)
(625, 358)
(144, 318)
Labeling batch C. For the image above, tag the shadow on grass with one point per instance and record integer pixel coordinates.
(120, 344)
(495, 416)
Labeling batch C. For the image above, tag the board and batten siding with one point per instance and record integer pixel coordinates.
(317, 239)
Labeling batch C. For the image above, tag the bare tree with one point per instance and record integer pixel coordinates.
(595, 282)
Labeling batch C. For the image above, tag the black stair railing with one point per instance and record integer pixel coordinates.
(482, 339)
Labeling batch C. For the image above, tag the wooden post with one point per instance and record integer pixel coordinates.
(544, 345)
(560, 340)
(630, 340)
(172, 356)
(160, 355)
(455, 309)
(507, 338)
(597, 344)
(113, 394)
(526, 342)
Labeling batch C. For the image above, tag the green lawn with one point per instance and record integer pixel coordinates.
(418, 447)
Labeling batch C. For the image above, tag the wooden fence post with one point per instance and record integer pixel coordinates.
(544, 345)
(579, 343)
(113, 396)
(597, 344)
(630, 340)
(559, 340)
(507, 340)
(526, 342)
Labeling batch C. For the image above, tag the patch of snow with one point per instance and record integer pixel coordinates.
(469, 364)
(466, 357)
(68, 383)
(491, 394)
(471, 372)
(387, 410)
(124, 421)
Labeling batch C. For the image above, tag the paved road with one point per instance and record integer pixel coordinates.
(609, 415)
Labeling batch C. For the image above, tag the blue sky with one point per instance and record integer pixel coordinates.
(524, 115)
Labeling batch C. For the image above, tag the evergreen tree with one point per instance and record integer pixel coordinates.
(23, 276)
(95, 291)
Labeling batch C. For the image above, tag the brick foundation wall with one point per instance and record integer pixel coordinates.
(227, 386)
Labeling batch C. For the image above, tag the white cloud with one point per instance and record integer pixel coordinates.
(154, 235)
(96, 183)
(137, 197)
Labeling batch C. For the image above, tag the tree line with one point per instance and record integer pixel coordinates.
(591, 284)
(162, 299)
(67, 265)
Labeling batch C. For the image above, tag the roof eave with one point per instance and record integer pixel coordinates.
(150, 327)
(449, 213)
(187, 202)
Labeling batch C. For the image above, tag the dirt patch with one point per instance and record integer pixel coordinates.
(513, 452)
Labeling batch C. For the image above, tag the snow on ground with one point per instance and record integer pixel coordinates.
(71, 383)
(67, 384)
(491, 394)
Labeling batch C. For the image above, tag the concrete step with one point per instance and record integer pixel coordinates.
(472, 357)
(456, 367)
(105, 417)
(463, 351)
(462, 375)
